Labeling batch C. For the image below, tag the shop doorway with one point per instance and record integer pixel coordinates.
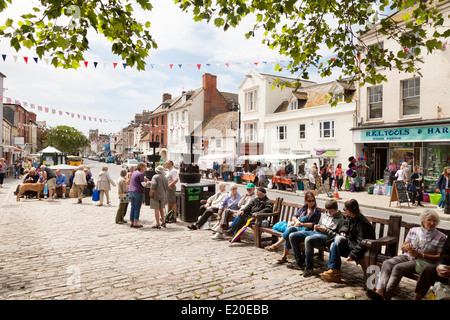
(381, 157)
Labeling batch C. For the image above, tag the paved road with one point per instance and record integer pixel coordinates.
(65, 251)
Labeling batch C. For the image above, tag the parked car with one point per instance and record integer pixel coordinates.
(102, 159)
(110, 160)
(96, 158)
(129, 163)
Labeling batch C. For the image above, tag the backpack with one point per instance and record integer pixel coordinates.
(169, 216)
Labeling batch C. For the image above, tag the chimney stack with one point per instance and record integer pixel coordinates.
(166, 96)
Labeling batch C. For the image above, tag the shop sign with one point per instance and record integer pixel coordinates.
(325, 153)
(407, 134)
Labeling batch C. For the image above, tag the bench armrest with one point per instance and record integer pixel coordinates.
(375, 243)
(258, 215)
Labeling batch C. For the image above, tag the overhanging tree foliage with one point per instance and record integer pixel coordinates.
(66, 139)
(59, 28)
(299, 29)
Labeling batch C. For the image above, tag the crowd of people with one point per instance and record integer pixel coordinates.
(425, 250)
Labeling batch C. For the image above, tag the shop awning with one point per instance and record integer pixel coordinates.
(206, 161)
(275, 157)
(12, 148)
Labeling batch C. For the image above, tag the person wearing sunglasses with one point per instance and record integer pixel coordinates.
(303, 220)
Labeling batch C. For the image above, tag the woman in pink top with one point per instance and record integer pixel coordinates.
(339, 176)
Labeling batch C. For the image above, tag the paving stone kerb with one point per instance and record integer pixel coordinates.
(62, 250)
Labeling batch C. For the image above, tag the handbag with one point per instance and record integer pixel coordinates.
(95, 195)
(73, 193)
(124, 198)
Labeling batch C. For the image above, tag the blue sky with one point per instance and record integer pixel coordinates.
(118, 94)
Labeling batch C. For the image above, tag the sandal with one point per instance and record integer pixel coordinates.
(163, 225)
(156, 226)
(281, 260)
(271, 248)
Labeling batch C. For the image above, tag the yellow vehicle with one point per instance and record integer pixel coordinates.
(74, 160)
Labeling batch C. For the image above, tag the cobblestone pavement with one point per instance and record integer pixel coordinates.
(65, 251)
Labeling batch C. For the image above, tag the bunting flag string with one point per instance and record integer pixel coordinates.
(33, 107)
(94, 64)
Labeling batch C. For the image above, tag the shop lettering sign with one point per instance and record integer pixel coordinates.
(407, 134)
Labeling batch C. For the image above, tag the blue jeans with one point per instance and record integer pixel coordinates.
(286, 235)
(442, 201)
(16, 173)
(311, 239)
(339, 249)
(135, 205)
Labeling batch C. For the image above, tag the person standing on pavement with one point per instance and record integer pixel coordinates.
(442, 184)
(80, 182)
(406, 173)
(122, 189)
(50, 178)
(172, 179)
(417, 182)
(104, 183)
(158, 196)
(17, 166)
(339, 176)
(348, 242)
(2, 171)
(136, 191)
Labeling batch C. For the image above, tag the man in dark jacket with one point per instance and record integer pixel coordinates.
(260, 204)
(348, 243)
(438, 272)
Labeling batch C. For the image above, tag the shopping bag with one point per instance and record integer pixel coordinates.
(45, 189)
(124, 198)
(73, 193)
(95, 195)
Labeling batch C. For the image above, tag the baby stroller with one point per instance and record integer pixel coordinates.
(89, 189)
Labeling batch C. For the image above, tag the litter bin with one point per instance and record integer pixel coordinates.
(191, 195)
(149, 175)
(237, 177)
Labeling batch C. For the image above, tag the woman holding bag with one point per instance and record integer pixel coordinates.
(122, 189)
(423, 245)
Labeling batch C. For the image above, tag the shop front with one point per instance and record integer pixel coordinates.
(389, 146)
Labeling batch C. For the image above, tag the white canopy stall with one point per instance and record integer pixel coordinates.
(206, 162)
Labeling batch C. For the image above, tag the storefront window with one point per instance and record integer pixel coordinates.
(436, 156)
(402, 152)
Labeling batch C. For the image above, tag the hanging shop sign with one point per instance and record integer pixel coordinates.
(407, 134)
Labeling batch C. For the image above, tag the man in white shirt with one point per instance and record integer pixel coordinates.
(172, 179)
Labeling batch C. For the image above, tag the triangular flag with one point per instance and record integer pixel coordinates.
(53, 111)
(170, 65)
(35, 60)
(4, 57)
(124, 65)
(115, 64)
(46, 61)
(180, 65)
(198, 66)
(60, 113)
(95, 64)
(32, 106)
(15, 58)
(227, 64)
(26, 59)
(86, 63)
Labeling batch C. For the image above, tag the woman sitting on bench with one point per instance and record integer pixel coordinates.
(422, 246)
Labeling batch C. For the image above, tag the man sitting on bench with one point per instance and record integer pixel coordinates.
(61, 183)
(260, 204)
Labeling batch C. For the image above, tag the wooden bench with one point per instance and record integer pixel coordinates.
(384, 246)
(404, 228)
